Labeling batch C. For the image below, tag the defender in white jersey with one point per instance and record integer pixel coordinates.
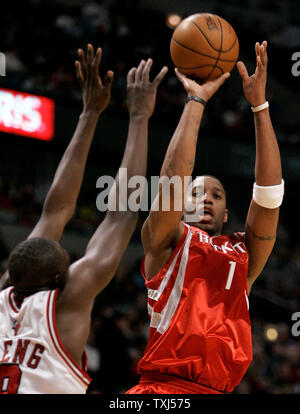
(45, 315)
(33, 358)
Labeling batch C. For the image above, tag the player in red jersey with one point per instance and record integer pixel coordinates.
(45, 314)
(198, 279)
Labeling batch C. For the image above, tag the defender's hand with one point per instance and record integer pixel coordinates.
(95, 93)
(255, 85)
(141, 93)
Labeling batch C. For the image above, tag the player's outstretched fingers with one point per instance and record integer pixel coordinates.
(182, 78)
(257, 48)
(90, 53)
(79, 74)
(131, 76)
(259, 65)
(108, 80)
(139, 71)
(242, 70)
(82, 62)
(90, 58)
(146, 71)
(264, 54)
(96, 61)
(160, 76)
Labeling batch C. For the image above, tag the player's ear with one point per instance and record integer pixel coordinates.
(226, 216)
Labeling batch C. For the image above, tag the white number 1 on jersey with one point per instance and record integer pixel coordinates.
(230, 275)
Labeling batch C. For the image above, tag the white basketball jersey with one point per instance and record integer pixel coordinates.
(33, 359)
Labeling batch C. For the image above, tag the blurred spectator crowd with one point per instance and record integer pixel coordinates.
(40, 40)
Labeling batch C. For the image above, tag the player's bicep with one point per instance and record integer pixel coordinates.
(260, 237)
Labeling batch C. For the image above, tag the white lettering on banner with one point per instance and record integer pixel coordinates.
(18, 111)
(31, 117)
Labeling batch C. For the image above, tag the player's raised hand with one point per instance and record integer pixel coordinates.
(141, 93)
(205, 90)
(95, 93)
(255, 85)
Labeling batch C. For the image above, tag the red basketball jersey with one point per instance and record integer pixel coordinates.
(199, 312)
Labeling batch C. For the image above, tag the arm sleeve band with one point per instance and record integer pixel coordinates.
(268, 196)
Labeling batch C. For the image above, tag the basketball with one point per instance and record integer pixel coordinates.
(204, 46)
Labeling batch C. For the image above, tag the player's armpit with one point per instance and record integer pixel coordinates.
(158, 233)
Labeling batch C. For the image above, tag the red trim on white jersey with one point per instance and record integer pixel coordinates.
(64, 354)
(12, 301)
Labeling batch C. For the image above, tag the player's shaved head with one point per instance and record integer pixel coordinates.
(37, 264)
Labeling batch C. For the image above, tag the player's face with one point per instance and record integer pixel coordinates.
(213, 203)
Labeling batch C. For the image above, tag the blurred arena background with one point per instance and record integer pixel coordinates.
(40, 39)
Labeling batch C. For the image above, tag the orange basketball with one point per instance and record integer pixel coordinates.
(204, 46)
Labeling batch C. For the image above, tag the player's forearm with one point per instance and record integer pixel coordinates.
(65, 188)
(180, 156)
(136, 150)
(268, 164)
(134, 162)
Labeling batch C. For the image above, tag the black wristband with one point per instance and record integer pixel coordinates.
(195, 98)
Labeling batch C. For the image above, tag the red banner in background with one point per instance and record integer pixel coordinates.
(26, 114)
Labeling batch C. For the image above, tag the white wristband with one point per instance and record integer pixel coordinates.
(268, 196)
(260, 107)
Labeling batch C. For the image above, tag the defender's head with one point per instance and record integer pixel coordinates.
(37, 264)
(208, 195)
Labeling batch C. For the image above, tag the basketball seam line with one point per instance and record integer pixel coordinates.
(217, 60)
(198, 67)
(202, 54)
(208, 41)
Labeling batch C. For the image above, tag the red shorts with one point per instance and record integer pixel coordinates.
(167, 384)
